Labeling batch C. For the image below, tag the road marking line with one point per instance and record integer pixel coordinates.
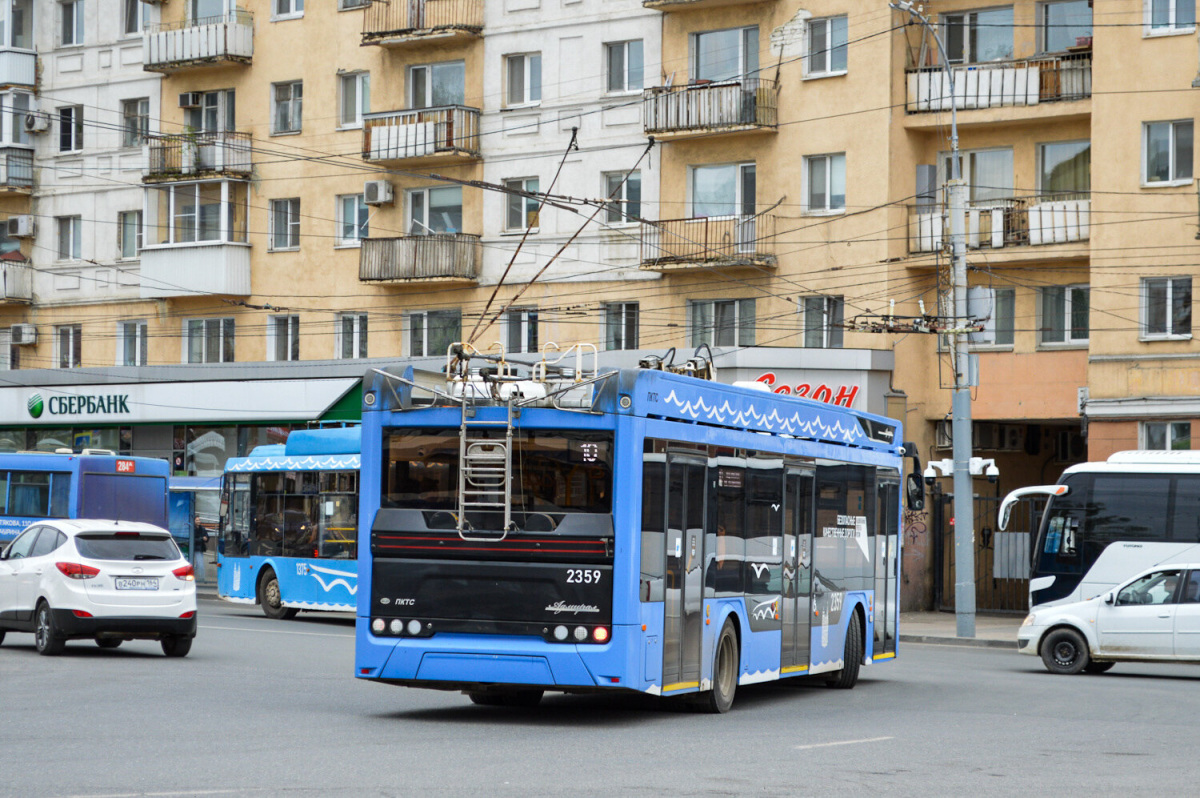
(844, 742)
(164, 794)
(272, 631)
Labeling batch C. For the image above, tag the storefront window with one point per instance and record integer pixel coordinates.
(208, 448)
(48, 440)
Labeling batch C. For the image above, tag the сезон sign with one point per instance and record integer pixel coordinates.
(842, 395)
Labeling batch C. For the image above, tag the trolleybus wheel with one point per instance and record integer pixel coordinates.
(46, 638)
(847, 677)
(270, 600)
(726, 664)
(1065, 651)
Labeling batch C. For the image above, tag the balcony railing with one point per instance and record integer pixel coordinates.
(205, 41)
(401, 21)
(1018, 221)
(743, 104)
(200, 269)
(438, 257)
(1049, 78)
(16, 169)
(708, 241)
(399, 135)
(188, 155)
(17, 277)
(683, 5)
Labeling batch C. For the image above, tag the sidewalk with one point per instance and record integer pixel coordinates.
(995, 631)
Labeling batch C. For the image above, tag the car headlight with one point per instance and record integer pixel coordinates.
(1030, 619)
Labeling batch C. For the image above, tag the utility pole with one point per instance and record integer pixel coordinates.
(964, 493)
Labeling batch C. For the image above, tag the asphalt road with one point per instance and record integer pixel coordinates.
(265, 708)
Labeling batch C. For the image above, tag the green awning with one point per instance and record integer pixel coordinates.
(348, 408)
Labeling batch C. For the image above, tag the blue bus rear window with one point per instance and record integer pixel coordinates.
(36, 494)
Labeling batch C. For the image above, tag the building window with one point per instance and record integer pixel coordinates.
(72, 22)
(131, 343)
(129, 231)
(723, 190)
(988, 173)
(285, 223)
(287, 9)
(524, 78)
(1168, 152)
(823, 321)
(974, 37)
(1065, 314)
(135, 16)
(135, 121)
(435, 210)
(624, 192)
(346, 5)
(1065, 167)
(189, 212)
(621, 325)
(431, 333)
(216, 113)
(288, 99)
(1170, 16)
(70, 128)
(355, 98)
(1166, 308)
(14, 109)
(522, 330)
(68, 339)
(1166, 435)
(725, 322)
(1064, 25)
(721, 55)
(20, 30)
(208, 340)
(435, 85)
(993, 308)
(626, 70)
(826, 47)
(522, 211)
(351, 335)
(352, 214)
(70, 237)
(826, 176)
(283, 338)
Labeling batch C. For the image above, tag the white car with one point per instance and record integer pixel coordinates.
(1152, 617)
(109, 581)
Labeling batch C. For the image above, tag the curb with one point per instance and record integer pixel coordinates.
(975, 642)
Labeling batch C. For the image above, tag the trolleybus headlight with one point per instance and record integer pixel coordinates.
(560, 632)
(414, 627)
(581, 633)
(600, 634)
(397, 626)
(377, 626)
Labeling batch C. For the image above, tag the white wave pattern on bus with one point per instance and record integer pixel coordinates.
(750, 417)
(310, 463)
(315, 570)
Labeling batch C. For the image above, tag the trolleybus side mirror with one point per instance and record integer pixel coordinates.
(914, 485)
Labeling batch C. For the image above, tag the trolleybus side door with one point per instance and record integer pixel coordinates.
(684, 591)
(797, 569)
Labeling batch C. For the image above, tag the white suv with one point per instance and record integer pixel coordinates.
(110, 581)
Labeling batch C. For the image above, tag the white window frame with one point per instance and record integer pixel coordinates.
(71, 23)
(748, 66)
(422, 318)
(522, 184)
(1170, 428)
(139, 235)
(294, 105)
(233, 202)
(68, 343)
(522, 324)
(223, 324)
(1068, 339)
(1174, 180)
(1040, 149)
(832, 161)
(832, 313)
(1169, 322)
(290, 207)
(1043, 23)
(970, 19)
(139, 339)
(819, 64)
(741, 170)
(744, 330)
(427, 101)
(361, 83)
(619, 207)
(362, 229)
(357, 339)
(75, 114)
(69, 235)
(626, 84)
(621, 316)
(988, 298)
(1172, 28)
(294, 9)
(135, 121)
(352, 5)
(422, 226)
(12, 129)
(531, 67)
(285, 331)
(135, 17)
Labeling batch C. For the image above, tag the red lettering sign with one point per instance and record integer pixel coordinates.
(126, 466)
(843, 395)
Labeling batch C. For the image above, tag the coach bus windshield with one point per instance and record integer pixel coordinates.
(554, 471)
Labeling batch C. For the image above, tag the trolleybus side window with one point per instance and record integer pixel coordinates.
(845, 518)
(725, 545)
(653, 531)
(764, 526)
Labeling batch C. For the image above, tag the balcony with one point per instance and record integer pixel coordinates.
(403, 22)
(188, 156)
(197, 269)
(677, 112)
(207, 41)
(995, 224)
(17, 278)
(708, 242)
(17, 67)
(16, 170)
(688, 5)
(441, 257)
(1028, 82)
(448, 133)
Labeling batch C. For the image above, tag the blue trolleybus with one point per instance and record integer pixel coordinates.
(95, 484)
(289, 524)
(537, 529)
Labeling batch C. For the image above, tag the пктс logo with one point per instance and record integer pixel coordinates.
(35, 405)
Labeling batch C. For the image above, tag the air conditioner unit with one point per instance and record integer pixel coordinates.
(944, 434)
(190, 99)
(1069, 446)
(1012, 437)
(20, 226)
(36, 122)
(23, 334)
(377, 192)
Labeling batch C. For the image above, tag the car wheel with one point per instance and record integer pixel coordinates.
(726, 665)
(1065, 651)
(108, 642)
(1, 637)
(46, 637)
(847, 677)
(1098, 667)
(175, 646)
(270, 599)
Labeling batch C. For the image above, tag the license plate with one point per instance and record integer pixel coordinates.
(136, 583)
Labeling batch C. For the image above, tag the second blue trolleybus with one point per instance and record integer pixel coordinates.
(540, 528)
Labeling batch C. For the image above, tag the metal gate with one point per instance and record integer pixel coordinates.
(1002, 559)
